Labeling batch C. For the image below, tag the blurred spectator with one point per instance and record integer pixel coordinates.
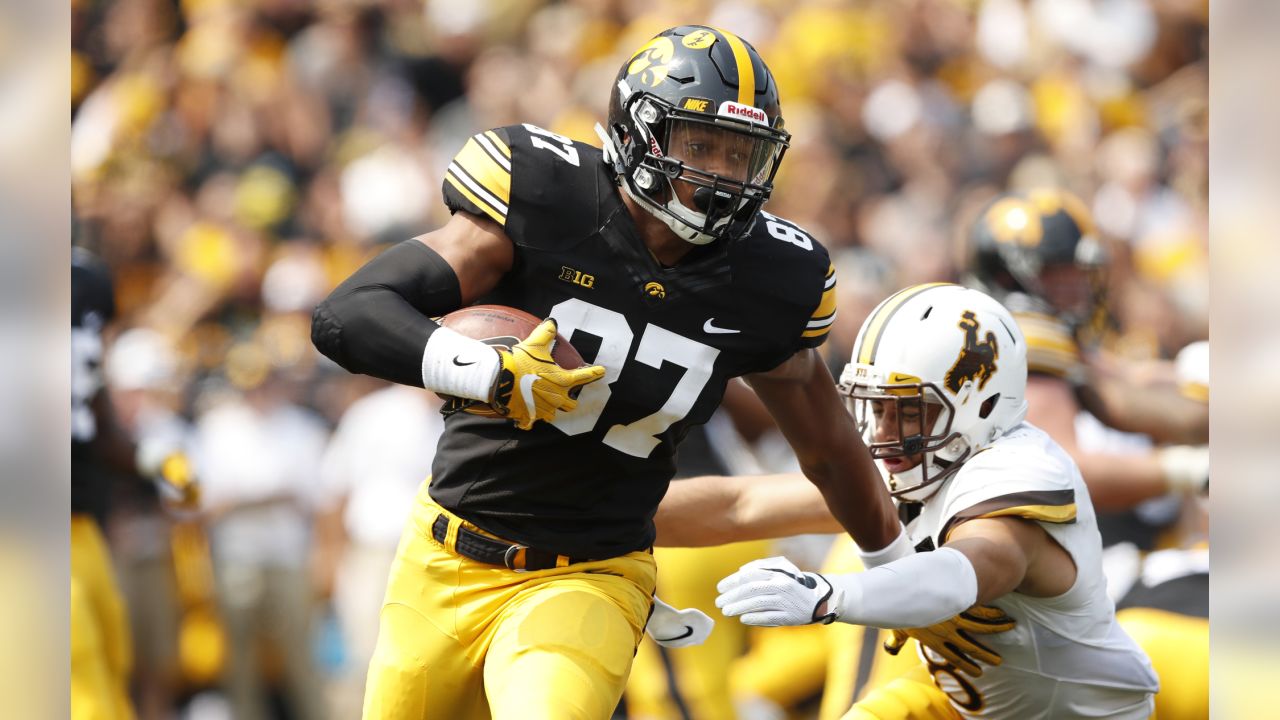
(259, 457)
(379, 455)
(143, 378)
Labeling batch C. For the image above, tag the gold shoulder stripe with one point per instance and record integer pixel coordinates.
(492, 171)
(497, 142)
(881, 315)
(825, 314)
(1054, 506)
(464, 185)
(826, 307)
(746, 71)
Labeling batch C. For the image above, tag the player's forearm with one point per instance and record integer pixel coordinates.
(1119, 481)
(1160, 411)
(855, 495)
(915, 591)
(711, 510)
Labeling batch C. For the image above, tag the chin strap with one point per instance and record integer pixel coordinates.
(670, 214)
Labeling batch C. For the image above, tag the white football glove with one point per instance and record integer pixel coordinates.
(674, 628)
(773, 592)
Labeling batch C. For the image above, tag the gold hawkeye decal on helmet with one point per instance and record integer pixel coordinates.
(652, 62)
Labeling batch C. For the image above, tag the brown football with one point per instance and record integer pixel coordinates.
(505, 326)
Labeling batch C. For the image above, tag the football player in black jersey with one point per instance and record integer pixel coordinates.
(101, 648)
(524, 579)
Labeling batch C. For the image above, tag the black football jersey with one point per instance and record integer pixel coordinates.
(92, 306)
(588, 483)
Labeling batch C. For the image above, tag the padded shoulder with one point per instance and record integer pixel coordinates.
(1051, 348)
(545, 190)
(780, 259)
(1023, 474)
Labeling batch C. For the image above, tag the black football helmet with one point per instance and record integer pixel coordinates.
(1038, 251)
(695, 131)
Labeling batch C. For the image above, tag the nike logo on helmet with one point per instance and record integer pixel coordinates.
(688, 632)
(462, 364)
(708, 327)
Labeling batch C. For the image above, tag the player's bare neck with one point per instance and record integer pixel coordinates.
(665, 246)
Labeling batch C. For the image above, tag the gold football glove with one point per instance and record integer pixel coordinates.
(953, 639)
(530, 385)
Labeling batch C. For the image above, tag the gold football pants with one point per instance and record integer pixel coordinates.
(462, 639)
(1178, 646)
(101, 647)
(693, 681)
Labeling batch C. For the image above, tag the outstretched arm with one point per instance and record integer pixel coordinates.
(713, 510)
(802, 397)
(985, 559)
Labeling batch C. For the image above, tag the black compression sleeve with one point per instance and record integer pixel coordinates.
(378, 320)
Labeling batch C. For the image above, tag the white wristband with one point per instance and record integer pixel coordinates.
(454, 364)
(916, 591)
(900, 547)
(1185, 467)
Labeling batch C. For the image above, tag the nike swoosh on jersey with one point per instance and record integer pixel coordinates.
(462, 364)
(707, 327)
(688, 631)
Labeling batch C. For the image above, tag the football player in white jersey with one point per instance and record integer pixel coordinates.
(997, 510)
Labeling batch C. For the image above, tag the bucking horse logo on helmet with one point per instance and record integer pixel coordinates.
(977, 360)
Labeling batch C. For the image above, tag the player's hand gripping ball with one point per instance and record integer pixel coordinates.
(541, 373)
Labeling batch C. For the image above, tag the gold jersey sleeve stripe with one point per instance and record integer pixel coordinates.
(746, 71)
(460, 184)
(1054, 506)
(491, 171)
(497, 142)
(881, 315)
(827, 306)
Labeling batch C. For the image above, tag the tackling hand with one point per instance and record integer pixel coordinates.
(530, 386)
(773, 592)
(953, 639)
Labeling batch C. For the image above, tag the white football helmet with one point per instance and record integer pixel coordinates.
(945, 345)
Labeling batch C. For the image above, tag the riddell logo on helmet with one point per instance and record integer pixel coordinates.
(732, 109)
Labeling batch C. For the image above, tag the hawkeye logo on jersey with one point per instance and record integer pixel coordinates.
(577, 277)
(729, 108)
(655, 290)
(977, 360)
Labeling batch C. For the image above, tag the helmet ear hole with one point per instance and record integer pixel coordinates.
(988, 405)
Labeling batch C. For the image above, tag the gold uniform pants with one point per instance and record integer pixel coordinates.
(461, 639)
(101, 648)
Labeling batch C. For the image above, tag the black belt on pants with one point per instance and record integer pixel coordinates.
(482, 548)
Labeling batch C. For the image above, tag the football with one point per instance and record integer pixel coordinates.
(503, 326)
(500, 326)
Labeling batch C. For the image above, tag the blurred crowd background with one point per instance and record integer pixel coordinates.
(233, 160)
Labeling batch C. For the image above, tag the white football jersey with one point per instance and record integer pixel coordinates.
(1067, 657)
